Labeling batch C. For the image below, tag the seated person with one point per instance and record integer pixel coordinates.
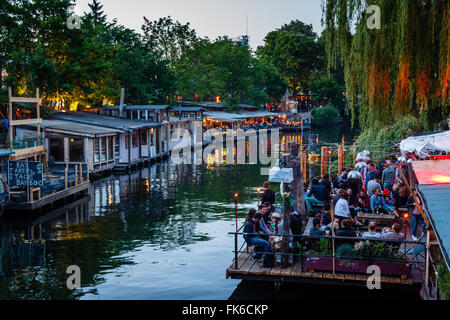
(316, 230)
(316, 195)
(375, 202)
(251, 227)
(342, 210)
(347, 230)
(362, 202)
(339, 195)
(326, 216)
(393, 233)
(387, 202)
(372, 233)
(335, 224)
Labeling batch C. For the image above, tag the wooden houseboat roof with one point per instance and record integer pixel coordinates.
(81, 129)
(105, 121)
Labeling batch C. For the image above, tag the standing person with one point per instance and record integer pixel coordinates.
(388, 177)
(316, 195)
(327, 184)
(416, 218)
(371, 172)
(251, 227)
(371, 185)
(268, 195)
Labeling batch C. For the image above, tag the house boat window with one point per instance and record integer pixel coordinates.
(76, 153)
(56, 146)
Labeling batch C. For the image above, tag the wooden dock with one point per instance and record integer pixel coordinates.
(47, 199)
(250, 269)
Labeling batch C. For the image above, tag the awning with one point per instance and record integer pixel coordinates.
(423, 144)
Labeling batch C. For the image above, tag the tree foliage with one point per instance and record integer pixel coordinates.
(295, 51)
(399, 70)
(227, 69)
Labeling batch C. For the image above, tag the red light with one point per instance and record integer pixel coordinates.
(406, 215)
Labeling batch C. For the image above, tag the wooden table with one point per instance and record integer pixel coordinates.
(378, 218)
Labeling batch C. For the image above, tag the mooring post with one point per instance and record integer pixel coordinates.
(65, 177)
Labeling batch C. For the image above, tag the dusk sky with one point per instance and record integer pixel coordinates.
(214, 18)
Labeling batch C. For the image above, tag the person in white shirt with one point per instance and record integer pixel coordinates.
(372, 233)
(342, 210)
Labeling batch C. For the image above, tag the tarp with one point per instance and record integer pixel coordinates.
(423, 144)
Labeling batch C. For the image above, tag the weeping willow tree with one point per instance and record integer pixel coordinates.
(398, 74)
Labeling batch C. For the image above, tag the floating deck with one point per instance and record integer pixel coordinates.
(250, 269)
(47, 199)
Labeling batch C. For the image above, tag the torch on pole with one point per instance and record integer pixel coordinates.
(236, 235)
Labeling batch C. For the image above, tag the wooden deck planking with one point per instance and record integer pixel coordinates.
(247, 265)
(256, 268)
(286, 272)
(275, 271)
(242, 257)
(297, 270)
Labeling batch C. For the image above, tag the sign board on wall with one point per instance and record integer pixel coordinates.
(25, 174)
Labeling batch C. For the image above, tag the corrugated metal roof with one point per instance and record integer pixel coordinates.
(77, 128)
(138, 107)
(187, 109)
(437, 199)
(105, 121)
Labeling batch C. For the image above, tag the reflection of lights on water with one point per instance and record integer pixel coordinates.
(146, 184)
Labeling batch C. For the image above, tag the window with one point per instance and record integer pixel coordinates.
(127, 141)
(110, 148)
(56, 146)
(135, 114)
(116, 147)
(97, 150)
(135, 139)
(76, 153)
(143, 115)
(144, 137)
(103, 149)
(193, 115)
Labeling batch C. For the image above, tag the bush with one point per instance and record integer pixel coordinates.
(324, 116)
(443, 280)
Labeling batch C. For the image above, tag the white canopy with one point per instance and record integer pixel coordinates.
(421, 145)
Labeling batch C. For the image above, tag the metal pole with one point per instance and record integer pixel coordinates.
(236, 235)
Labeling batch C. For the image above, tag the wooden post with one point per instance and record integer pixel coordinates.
(76, 175)
(303, 157)
(333, 234)
(286, 234)
(340, 159)
(31, 194)
(65, 177)
(10, 118)
(38, 113)
(81, 173)
(325, 156)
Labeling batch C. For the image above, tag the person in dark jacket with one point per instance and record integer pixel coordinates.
(317, 194)
(316, 230)
(268, 194)
(250, 228)
(347, 230)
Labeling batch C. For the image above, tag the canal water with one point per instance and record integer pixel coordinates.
(154, 233)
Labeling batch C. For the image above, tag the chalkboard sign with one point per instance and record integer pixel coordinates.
(25, 174)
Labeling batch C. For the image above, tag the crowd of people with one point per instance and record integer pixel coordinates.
(366, 189)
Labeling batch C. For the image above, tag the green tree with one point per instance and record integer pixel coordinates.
(97, 15)
(295, 51)
(168, 36)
